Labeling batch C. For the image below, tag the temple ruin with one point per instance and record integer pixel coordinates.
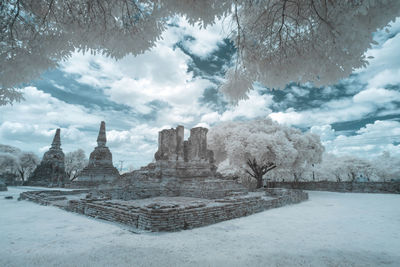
(178, 158)
(181, 168)
(51, 170)
(100, 168)
(180, 190)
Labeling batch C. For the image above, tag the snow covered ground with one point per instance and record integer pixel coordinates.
(331, 229)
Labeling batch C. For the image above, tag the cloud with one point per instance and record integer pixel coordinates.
(31, 124)
(362, 104)
(368, 141)
(325, 132)
(256, 106)
(377, 96)
(143, 82)
(385, 77)
(204, 41)
(384, 67)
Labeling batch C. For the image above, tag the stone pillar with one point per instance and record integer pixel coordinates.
(179, 142)
(170, 144)
(196, 148)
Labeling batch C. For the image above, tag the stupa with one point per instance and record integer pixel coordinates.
(100, 168)
(51, 171)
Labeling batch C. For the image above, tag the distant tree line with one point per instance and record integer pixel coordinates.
(260, 151)
(16, 166)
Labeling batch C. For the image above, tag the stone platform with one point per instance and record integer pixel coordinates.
(167, 213)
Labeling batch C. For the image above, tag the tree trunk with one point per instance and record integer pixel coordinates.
(259, 181)
(21, 174)
(258, 171)
(73, 178)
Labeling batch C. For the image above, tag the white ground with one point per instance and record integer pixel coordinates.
(331, 229)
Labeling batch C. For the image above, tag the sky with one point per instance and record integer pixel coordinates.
(176, 83)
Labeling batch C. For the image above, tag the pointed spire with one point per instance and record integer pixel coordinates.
(101, 139)
(56, 140)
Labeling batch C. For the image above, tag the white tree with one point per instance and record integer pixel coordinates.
(8, 163)
(256, 147)
(387, 167)
(277, 41)
(27, 162)
(74, 163)
(350, 168)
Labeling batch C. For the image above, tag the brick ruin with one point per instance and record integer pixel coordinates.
(180, 190)
(178, 158)
(166, 213)
(181, 168)
(100, 168)
(51, 170)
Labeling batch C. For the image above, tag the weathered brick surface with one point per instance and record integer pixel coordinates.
(100, 168)
(51, 170)
(174, 217)
(48, 197)
(357, 187)
(212, 188)
(165, 213)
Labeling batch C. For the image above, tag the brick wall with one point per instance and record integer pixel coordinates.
(357, 187)
(158, 218)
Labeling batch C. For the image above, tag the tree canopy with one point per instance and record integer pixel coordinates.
(258, 146)
(75, 161)
(277, 41)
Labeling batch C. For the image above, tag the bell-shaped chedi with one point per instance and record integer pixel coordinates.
(51, 171)
(100, 167)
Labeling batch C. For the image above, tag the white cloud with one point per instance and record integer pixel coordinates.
(255, 106)
(205, 40)
(325, 132)
(386, 77)
(371, 140)
(384, 68)
(346, 109)
(157, 75)
(377, 96)
(31, 124)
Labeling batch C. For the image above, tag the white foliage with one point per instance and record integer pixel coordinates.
(8, 163)
(302, 40)
(387, 167)
(27, 162)
(277, 41)
(347, 169)
(74, 163)
(266, 141)
(15, 161)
